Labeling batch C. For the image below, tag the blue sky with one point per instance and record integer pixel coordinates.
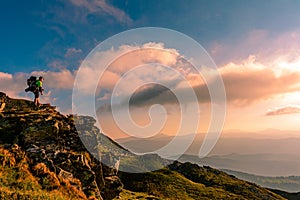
(262, 38)
(34, 34)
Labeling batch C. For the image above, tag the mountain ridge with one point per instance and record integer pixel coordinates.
(284, 183)
(42, 157)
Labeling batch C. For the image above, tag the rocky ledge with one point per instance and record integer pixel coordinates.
(47, 143)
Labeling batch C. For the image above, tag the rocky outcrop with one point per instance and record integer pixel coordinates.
(51, 145)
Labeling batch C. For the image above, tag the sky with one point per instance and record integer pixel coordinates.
(255, 46)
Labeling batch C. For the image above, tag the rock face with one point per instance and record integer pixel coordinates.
(50, 144)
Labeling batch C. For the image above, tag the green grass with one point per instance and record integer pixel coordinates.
(8, 193)
(144, 163)
(129, 195)
(188, 181)
(17, 181)
(217, 179)
(167, 184)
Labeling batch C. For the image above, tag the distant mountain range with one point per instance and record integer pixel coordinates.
(261, 156)
(286, 183)
(259, 164)
(281, 142)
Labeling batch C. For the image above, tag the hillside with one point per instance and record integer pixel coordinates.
(190, 181)
(42, 157)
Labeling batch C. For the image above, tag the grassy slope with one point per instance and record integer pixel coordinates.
(128, 195)
(17, 181)
(167, 184)
(217, 179)
(188, 181)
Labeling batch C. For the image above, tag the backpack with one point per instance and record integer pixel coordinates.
(31, 82)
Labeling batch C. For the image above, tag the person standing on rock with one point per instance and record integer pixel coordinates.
(39, 89)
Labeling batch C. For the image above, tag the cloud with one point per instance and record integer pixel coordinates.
(137, 65)
(57, 64)
(289, 109)
(132, 56)
(11, 84)
(245, 83)
(251, 81)
(61, 80)
(265, 45)
(5, 76)
(72, 51)
(126, 58)
(147, 93)
(101, 6)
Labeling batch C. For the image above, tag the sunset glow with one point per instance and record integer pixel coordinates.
(257, 56)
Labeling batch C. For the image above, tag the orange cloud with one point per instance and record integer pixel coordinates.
(125, 58)
(245, 83)
(149, 53)
(290, 109)
(11, 84)
(5, 76)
